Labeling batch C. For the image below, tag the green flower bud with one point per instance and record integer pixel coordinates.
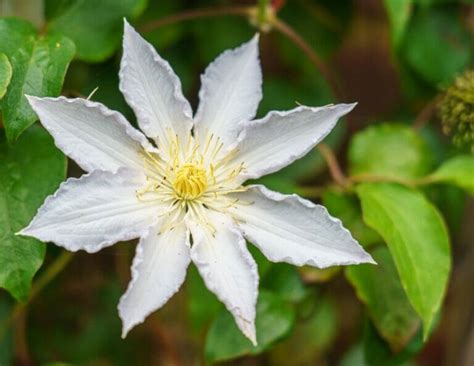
(457, 111)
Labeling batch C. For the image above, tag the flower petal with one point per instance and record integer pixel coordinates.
(95, 137)
(287, 228)
(227, 268)
(230, 93)
(153, 90)
(278, 139)
(158, 271)
(94, 211)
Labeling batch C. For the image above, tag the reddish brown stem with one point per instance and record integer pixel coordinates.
(300, 42)
(426, 113)
(333, 165)
(195, 14)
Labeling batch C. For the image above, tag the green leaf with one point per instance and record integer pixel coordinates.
(5, 74)
(399, 12)
(224, 341)
(29, 171)
(437, 34)
(39, 65)
(391, 150)
(314, 333)
(284, 280)
(96, 27)
(346, 208)
(380, 289)
(458, 171)
(417, 238)
(202, 305)
(377, 352)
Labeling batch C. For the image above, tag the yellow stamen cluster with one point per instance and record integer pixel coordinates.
(189, 178)
(190, 181)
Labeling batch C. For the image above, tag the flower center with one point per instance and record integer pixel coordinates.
(190, 181)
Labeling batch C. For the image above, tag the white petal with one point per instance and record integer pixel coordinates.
(158, 271)
(95, 137)
(287, 228)
(230, 93)
(227, 268)
(278, 139)
(153, 90)
(94, 211)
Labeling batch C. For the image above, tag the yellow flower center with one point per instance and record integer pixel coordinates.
(190, 181)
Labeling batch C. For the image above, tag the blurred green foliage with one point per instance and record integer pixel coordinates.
(402, 194)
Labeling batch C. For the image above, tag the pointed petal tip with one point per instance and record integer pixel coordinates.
(249, 331)
(251, 335)
(346, 107)
(22, 232)
(32, 99)
(367, 259)
(125, 331)
(26, 231)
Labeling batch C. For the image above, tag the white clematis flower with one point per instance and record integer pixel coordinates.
(189, 182)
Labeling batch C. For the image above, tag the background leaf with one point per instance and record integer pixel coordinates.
(274, 320)
(458, 170)
(435, 33)
(5, 74)
(399, 12)
(380, 289)
(378, 150)
(96, 27)
(416, 236)
(39, 65)
(29, 171)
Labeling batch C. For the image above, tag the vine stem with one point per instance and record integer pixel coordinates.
(196, 14)
(285, 29)
(426, 113)
(333, 165)
(46, 277)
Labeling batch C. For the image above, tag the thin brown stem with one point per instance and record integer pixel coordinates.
(313, 56)
(426, 113)
(196, 14)
(333, 165)
(22, 354)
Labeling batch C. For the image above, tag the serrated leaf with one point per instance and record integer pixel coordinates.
(346, 208)
(391, 150)
(96, 27)
(39, 64)
(29, 171)
(224, 341)
(5, 74)
(458, 171)
(417, 238)
(379, 288)
(399, 12)
(437, 34)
